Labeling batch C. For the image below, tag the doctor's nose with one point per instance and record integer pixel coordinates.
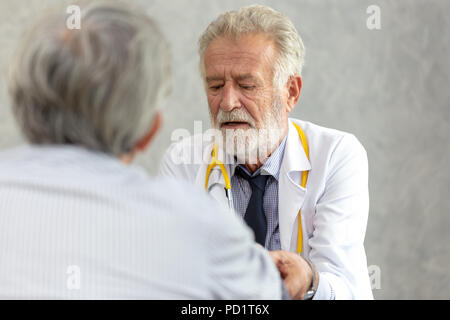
(230, 98)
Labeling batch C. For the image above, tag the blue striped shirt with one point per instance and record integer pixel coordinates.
(78, 224)
(242, 192)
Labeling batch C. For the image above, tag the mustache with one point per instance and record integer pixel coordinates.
(235, 115)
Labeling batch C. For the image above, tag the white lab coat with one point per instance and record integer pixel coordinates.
(335, 202)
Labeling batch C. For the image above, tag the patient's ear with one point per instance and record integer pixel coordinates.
(145, 141)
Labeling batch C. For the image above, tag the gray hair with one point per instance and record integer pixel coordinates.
(98, 86)
(260, 19)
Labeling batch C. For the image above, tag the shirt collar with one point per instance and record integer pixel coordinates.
(273, 164)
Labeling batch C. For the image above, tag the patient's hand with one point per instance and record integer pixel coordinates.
(295, 271)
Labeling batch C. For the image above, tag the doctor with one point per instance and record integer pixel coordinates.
(302, 188)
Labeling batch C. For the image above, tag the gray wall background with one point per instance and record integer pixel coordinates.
(389, 87)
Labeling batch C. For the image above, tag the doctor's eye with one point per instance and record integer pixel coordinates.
(216, 87)
(247, 87)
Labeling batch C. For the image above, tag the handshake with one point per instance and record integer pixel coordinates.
(297, 274)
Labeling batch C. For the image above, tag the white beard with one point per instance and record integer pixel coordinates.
(253, 144)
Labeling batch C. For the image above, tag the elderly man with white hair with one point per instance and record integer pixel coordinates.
(75, 220)
(301, 188)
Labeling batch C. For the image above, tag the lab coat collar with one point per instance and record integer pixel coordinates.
(295, 159)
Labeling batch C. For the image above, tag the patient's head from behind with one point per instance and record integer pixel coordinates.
(99, 86)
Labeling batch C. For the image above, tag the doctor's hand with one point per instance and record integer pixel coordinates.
(295, 271)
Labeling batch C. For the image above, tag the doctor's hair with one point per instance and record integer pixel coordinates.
(258, 19)
(98, 86)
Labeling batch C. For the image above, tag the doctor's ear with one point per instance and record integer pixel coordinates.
(294, 87)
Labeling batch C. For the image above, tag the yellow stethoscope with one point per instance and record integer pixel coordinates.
(216, 162)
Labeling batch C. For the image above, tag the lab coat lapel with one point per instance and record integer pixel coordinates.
(290, 193)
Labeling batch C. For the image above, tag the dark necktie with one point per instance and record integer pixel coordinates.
(254, 215)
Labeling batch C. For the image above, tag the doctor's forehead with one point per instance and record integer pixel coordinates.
(253, 77)
(249, 56)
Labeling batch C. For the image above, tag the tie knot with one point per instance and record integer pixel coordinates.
(258, 181)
